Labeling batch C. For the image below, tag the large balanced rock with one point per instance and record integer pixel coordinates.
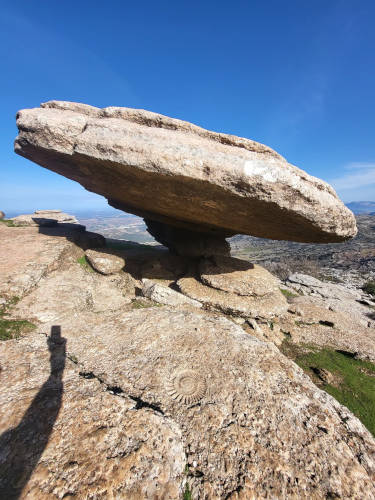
(250, 422)
(178, 174)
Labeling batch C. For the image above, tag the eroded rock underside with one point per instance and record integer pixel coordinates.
(140, 384)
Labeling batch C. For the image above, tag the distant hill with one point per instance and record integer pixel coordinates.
(362, 207)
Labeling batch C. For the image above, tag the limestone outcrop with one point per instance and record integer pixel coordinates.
(113, 395)
(178, 174)
(234, 287)
(239, 417)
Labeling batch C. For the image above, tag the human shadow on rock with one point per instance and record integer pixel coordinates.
(21, 447)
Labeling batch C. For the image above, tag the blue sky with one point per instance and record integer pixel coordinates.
(297, 76)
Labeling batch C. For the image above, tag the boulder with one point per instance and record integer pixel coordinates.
(105, 262)
(2, 215)
(178, 174)
(250, 422)
(235, 287)
(165, 295)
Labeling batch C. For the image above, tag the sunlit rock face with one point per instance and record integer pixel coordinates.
(179, 174)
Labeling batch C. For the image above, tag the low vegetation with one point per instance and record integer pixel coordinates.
(84, 263)
(144, 304)
(369, 288)
(351, 381)
(11, 328)
(187, 493)
(288, 294)
(8, 222)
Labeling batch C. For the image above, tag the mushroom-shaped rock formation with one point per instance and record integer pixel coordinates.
(178, 175)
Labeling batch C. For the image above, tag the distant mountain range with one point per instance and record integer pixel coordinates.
(362, 207)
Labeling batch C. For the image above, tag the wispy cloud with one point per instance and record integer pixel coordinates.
(355, 175)
(357, 182)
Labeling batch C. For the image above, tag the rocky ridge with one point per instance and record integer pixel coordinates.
(147, 393)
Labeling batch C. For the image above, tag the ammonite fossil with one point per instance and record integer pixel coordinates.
(187, 386)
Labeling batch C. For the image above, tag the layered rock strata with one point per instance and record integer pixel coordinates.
(234, 287)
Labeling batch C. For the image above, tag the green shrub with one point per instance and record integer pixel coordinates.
(369, 288)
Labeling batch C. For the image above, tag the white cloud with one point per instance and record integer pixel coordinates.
(357, 183)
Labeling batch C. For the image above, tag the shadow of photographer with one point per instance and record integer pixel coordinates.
(21, 447)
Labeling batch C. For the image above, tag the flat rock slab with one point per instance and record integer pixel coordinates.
(182, 175)
(263, 307)
(30, 253)
(311, 322)
(250, 420)
(46, 218)
(237, 276)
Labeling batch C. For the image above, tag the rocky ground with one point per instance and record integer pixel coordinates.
(351, 263)
(128, 372)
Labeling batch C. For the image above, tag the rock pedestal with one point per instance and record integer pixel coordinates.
(188, 243)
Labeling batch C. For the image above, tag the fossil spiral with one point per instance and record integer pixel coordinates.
(187, 386)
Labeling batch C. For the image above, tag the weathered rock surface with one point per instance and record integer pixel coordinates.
(234, 287)
(105, 262)
(251, 423)
(201, 180)
(29, 253)
(266, 307)
(237, 276)
(72, 291)
(2, 214)
(66, 435)
(184, 242)
(134, 401)
(164, 295)
(311, 322)
(335, 297)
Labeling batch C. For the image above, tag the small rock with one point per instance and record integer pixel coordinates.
(324, 375)
(105, 263)
(164, 295)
